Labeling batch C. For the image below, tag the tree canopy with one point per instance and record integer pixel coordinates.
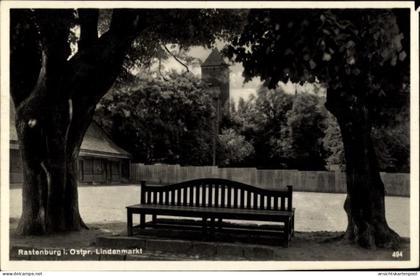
(354, 52)
(161, 121)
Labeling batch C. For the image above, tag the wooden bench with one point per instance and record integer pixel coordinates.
(213, 200)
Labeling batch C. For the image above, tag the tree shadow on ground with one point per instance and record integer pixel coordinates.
(304, 246)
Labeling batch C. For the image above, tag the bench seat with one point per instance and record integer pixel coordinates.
(211, 212)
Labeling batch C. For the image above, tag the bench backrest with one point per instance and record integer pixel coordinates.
(215, 192)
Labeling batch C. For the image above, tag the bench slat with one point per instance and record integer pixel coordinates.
(197, 195)
(276, 203)
(203, 194)
(222, 195)
(210, 203)
(229, 199)
(172, 197)
(184, 197)
(178, 196)
(248, 199)
(269, 202)
(255, 201)
(191, 190)
(242, 198)
(216, 195)
(166, 193)
(262, 202)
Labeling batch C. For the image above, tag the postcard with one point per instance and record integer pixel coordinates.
(209, 135)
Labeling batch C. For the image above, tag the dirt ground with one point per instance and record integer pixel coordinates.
(305, 246)
(319, 219)
(314, 211)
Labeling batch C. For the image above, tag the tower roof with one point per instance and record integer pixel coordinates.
(214, 59)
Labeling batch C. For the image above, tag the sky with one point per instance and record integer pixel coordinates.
(237, 87)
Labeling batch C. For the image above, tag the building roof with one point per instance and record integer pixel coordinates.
(95, 143)
(214, 59)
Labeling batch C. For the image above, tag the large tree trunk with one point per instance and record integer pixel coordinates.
(49, 193)
(365, 202)
(55, 99)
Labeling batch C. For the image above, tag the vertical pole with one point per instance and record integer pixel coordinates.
(129, 222)
(286, 232)
(142, 221)
(290, 198)
(216, 98)
(142, 192)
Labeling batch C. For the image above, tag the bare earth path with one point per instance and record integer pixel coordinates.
(319, 216)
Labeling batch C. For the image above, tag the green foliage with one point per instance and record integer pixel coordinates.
(333, 144)
(306, 123)
(181, 29)
(391, 142)
(271, 106)
(361, 55)
(233, 149)
(161, 121)
(285, 130)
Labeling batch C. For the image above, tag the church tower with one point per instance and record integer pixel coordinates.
(215, 71)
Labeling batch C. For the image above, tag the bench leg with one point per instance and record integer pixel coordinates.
(204, 225)
(129, 223)
(212, 228)
(142, 221)
(286, 232)
(219, 223)
(212, 223)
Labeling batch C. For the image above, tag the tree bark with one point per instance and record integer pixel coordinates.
(365, 202)
(55, 100)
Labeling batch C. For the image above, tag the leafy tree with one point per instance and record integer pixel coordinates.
(391, 143)
(333, 143)
(55, 90)
(160, 120)
(361, 56)
(233, 148)
(270, 126)
(285, 129)
(306, 124)
(245, 117)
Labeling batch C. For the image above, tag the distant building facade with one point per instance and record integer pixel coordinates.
(215, 71)
(100, 159)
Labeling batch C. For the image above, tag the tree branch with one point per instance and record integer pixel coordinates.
(99, 67)
(126, 22)
(25, 54)
(55, 29)
(88, 19)
(159, 69)
(176, 58)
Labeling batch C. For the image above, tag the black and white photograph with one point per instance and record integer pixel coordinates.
(209, 135)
